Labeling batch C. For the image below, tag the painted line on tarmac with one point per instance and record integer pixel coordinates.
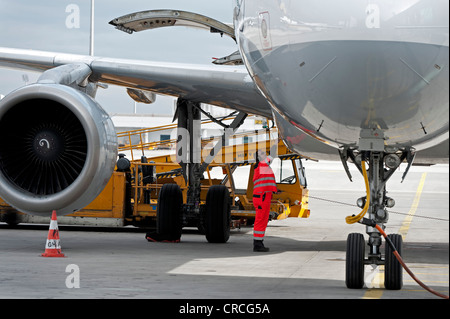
(408, 219)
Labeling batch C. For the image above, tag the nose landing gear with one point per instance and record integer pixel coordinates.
(381, 166)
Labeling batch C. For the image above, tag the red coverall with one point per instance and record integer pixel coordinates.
(263, 186)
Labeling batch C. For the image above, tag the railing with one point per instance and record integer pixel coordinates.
(169, 144)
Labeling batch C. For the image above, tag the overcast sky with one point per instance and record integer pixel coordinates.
(45, 25)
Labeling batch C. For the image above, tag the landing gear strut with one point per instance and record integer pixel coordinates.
(213, 217)
(381, 167)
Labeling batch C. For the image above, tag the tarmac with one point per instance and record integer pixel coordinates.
(306, 258)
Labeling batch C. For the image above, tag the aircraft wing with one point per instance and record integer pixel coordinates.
(225, 86)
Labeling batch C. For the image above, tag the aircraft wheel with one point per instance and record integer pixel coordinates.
(11, 218)
(393, 271)
(218, 214)
(168, 216)
(354, 272)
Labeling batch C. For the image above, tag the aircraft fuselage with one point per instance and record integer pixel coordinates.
(343, 71)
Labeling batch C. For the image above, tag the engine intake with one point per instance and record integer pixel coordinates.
(58, 149)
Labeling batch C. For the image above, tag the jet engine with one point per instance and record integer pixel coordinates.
(58, 149)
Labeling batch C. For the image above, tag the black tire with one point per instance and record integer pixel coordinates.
(218, 214)
(168, 215)
(354, 270)
(393, 270)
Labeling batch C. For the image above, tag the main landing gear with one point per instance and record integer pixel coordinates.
(213, 216)
(381, 166)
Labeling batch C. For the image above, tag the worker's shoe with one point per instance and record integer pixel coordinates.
(258, 246)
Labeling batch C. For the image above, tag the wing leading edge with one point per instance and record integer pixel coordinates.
(225, 86)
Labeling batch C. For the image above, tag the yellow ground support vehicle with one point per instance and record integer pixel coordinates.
(237, 176)
(151, 190)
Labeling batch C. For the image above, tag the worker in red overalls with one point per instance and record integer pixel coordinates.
(264, 186)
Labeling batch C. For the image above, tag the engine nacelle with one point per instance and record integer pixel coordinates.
(58, 149)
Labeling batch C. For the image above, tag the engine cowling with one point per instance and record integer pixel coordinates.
(58, 149)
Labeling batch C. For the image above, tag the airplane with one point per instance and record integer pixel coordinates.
(362, 82)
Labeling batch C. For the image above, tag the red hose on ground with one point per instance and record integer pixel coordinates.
(400, 260)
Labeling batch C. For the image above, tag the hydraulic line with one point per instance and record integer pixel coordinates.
(354, 219)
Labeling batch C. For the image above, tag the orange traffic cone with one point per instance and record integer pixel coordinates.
(53, 244)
